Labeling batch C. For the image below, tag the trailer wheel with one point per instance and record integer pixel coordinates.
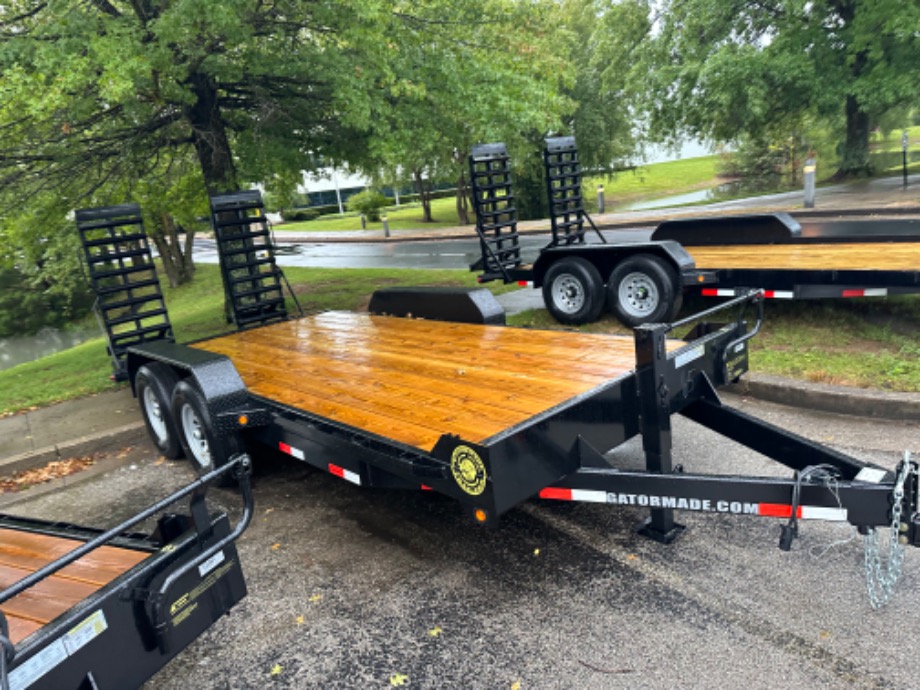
(153, 385)
(206, 448)
(573, 291)
(643, 289)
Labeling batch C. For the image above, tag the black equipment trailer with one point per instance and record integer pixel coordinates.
(640, 282)
(644, 282)
(83, 608)
(492, 416)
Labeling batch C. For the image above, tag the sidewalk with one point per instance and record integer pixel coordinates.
(112, 420)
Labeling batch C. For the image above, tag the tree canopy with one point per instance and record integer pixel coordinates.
(719, 69)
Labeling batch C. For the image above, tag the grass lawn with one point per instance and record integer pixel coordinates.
(196, 311)
(656, 180)
(406, 217)
(865, 343)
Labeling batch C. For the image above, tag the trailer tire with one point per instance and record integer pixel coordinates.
(206, 449)
(153, 385)
(573, 291)
(643, 289)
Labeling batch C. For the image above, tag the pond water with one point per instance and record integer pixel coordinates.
(20, 349)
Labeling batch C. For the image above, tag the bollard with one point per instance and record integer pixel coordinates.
(809, 171)
(600, 198)
(386, 225)
(363, 222)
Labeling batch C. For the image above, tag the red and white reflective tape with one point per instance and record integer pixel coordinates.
(777, 510)
(725, 292)
(348, 475)
(525, 283)
(780, 510)
(867, 292)
(585, 495)
(291, 450)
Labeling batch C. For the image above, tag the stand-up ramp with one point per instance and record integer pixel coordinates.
(496, 216)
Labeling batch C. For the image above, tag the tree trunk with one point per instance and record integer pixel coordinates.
(424, 195)
(463, 200)
(209, 135)
(177, 262)
(854, 161)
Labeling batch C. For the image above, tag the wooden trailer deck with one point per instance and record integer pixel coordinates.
(862, 256)
(412, 381)
(23, 552)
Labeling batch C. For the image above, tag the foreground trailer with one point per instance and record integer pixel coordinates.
(492, 416)
(84, 608)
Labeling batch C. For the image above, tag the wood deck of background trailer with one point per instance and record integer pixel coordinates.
(412, 381)
(864, 256)
(22, 553)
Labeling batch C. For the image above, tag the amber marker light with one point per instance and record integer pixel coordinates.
(480, 515)
(243, 420)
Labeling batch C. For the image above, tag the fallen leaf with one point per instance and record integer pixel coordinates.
(40, 475)
(269, 510)
(398, 680)
(516, 685)
(159, 461)
(632, 557)
(276, 670)
(315, 598)
(824, 635)
(299, 620)
(435, 631)
(276, 546)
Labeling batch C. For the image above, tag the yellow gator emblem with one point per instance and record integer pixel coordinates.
(469, 470)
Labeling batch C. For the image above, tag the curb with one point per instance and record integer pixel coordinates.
(821, 397)
(111, 439)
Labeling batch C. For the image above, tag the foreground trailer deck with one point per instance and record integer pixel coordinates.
(23, 553)
(413, 381)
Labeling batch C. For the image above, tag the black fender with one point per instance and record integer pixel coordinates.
(606, 256)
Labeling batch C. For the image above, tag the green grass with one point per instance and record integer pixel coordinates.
(656, 180)
(196, 311)
(406, 217)
(865, 343)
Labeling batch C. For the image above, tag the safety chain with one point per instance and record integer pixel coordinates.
(881, 579)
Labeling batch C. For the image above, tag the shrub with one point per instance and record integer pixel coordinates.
(369, 202)
(299, 214)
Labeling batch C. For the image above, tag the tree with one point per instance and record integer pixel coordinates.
(718, 69)
(464, 73)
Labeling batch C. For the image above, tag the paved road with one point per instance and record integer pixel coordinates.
(356, 588)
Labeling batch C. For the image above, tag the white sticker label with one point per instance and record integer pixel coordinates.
(870, 475)
(211, 563)
(29, 672)
(85, 632)
(689, 356)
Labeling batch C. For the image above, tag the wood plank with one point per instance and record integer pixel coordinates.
(31, 551)
(23, 552)
(874, 256)
(46, 600)
(412, 380)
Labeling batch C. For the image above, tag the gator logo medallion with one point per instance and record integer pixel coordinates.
(468, 469)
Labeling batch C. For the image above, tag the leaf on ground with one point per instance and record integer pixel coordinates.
(123, 453)
(299, 620)
(159, 461)
(40, 475)
(397, 680)
(276, 670)
(315, 598)
(269, 510)
(276, 546)
(435, 631)
(516, 685)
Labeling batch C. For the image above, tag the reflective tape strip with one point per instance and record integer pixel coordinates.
(778, 294)
(425, 487)
(525, 283)
(780, 510)
(291, 450)
(583, 495)
(714, 292)
(348, 475)
(868, 292)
